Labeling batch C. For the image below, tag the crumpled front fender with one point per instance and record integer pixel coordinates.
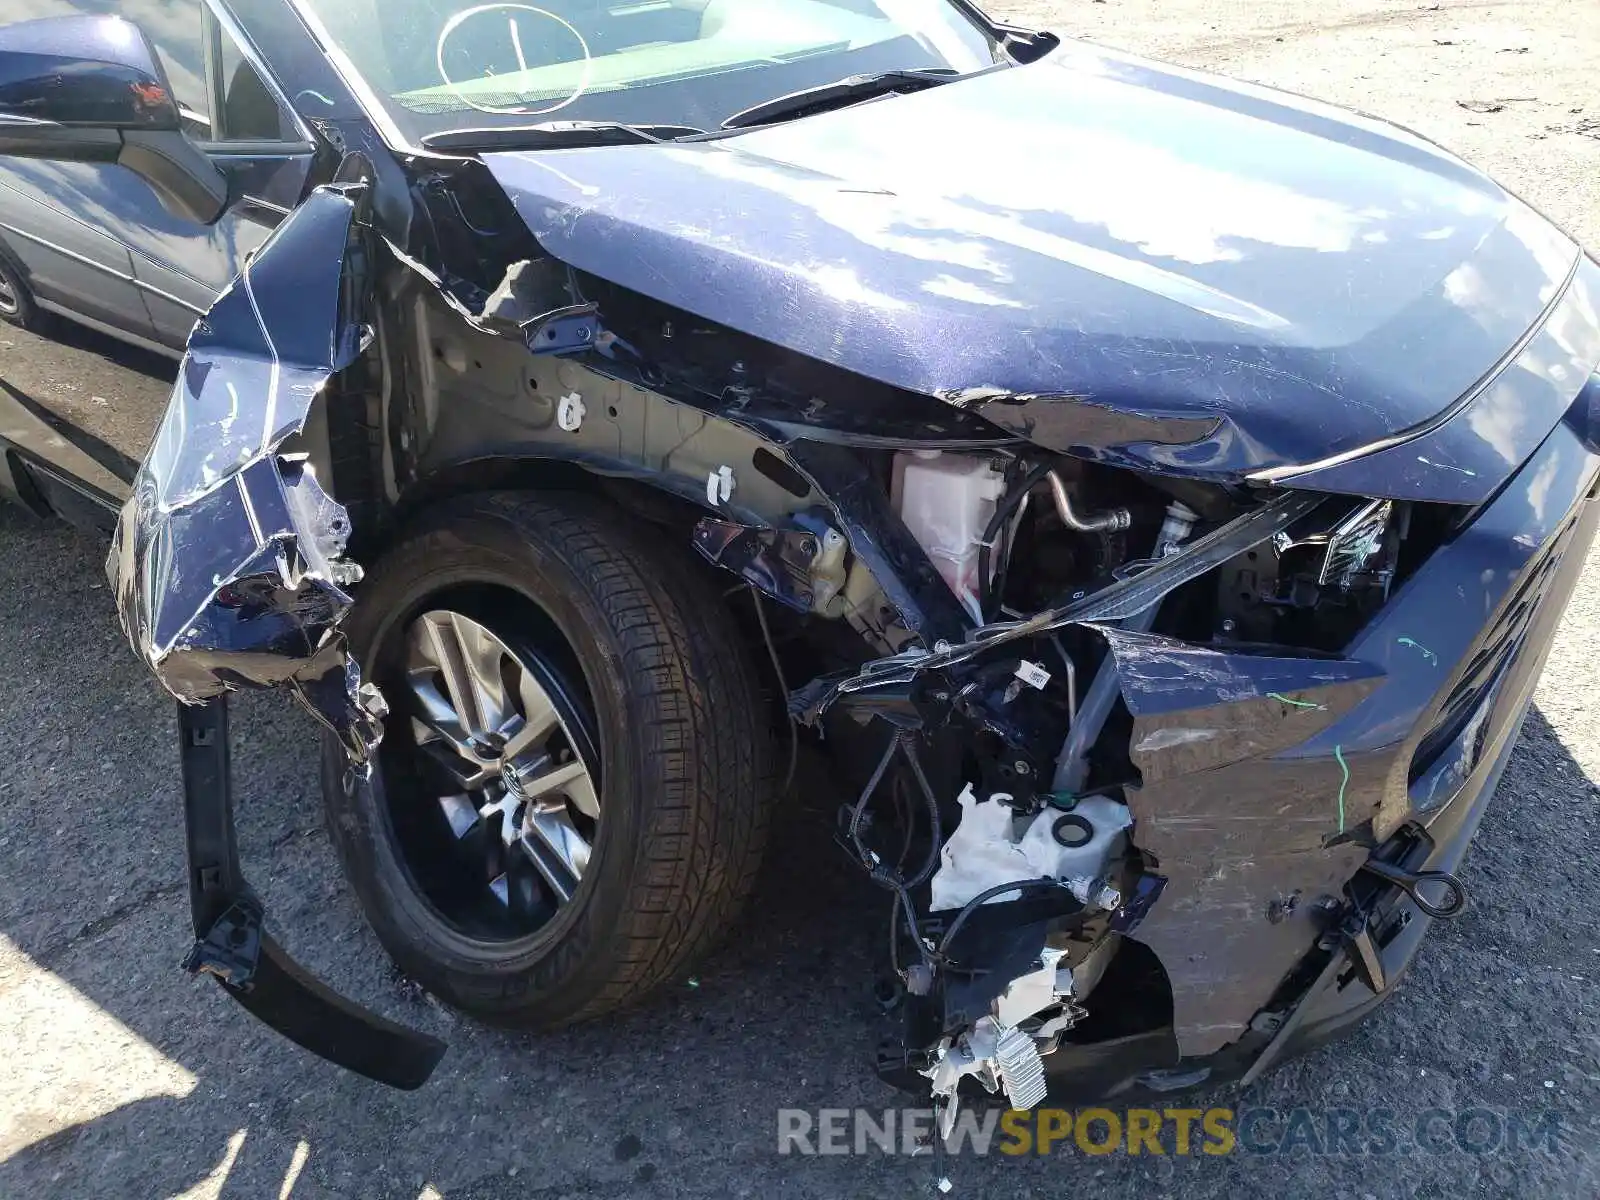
(227, 563)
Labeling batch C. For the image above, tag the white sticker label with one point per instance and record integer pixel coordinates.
(1032, 674)
(570, 412)
(719, 485)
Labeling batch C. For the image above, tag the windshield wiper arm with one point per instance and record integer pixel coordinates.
(835, 95)
(552, 135)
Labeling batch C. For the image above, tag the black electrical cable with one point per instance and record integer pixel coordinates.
(894, 936)
(982, 898)
(907, 818)
(783, 691)
(887, 877)
(861, 805)
(1002, 513)
(902, 905)
(935, 826)
(912, 927)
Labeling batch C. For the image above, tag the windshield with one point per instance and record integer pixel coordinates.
(449, 64)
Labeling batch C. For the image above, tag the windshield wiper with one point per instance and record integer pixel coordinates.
(849, 90)
(552, 135)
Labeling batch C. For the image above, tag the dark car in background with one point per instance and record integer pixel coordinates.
(1153, 494)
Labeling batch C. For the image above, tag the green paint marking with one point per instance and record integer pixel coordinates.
(1294, 703)
(1338, 753)
(1418, 646)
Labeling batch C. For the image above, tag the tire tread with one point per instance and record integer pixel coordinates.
(704, 743)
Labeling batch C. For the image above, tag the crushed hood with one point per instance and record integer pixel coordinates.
(1096, 251)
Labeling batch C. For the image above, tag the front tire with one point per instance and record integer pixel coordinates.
(628, 765)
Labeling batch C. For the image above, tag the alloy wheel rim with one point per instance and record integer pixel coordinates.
(8, 298)
(520, 802)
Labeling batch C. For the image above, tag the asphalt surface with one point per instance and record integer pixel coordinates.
(121, 1077)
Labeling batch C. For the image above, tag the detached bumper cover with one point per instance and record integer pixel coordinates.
(1460, 647)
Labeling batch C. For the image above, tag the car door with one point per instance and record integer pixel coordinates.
(72, 263)
(66, 224)
(252, 134)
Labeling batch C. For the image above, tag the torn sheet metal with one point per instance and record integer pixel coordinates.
(780, 563)
(1248, 843)
(1084, 427)
(879, 538)
(1114, 602)
(227, 562)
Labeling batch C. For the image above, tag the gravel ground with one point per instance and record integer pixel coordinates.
(124, 1078)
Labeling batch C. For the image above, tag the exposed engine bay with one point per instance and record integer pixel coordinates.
(1031, 894)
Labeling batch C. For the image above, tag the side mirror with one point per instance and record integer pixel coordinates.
(91, 89)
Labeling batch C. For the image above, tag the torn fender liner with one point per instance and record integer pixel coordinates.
(226, 563)
(1247, 842)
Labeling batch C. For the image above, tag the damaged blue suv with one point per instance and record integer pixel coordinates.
(1153, 494)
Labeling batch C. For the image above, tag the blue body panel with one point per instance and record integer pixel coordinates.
(1458, 650)
(1165, 267)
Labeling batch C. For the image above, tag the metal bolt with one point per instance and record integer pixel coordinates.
(1023, 768)
(487, 746)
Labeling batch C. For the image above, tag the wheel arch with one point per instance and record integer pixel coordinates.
(648, 497)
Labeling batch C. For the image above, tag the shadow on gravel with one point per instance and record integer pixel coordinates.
(700, 1068)
(676, 1098)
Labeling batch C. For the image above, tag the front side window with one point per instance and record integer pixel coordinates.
(449, 64)
(243, 106)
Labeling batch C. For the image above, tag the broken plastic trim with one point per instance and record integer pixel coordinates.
(227, 563)
(251, 967)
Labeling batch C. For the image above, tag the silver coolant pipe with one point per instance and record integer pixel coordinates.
(1112, 520)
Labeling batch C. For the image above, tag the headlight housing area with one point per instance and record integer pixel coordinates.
(1319, 581)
